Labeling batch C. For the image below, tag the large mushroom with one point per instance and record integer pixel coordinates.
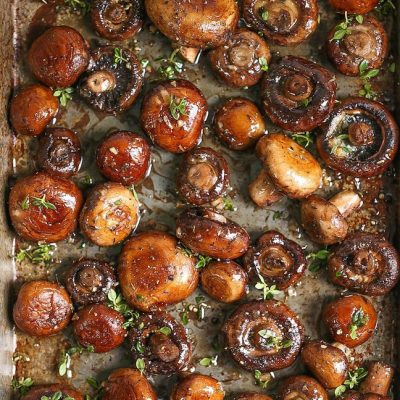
(354, 6)
(301, 387)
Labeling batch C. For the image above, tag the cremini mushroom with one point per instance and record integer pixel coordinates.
(354, 6)
(379, 378)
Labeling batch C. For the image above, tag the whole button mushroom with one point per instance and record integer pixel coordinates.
(353, 395)
(378, 380)
(301, 387)
(154, 271)
(58, 56)
(32, 109)
(42, 308)
(44, 207)
(325, 220)
(250, 396)
(198, 387)
(354, 6)
(54, 390)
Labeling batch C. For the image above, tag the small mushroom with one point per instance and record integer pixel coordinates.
(112, 81)
(353, 395)
(379, 379)
(250, 396)
(354, 6)
(262, 191)
(39, 392)
(116, 19)
(242, 59)
(198, 387)
(32, 109)
(301, 387)
(287, 22)
(238, 123)
(325, 220)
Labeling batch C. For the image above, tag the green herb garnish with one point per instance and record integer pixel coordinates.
(358, 320)
(42, 253)
(119, 57)
(263, 64)
(354, 378)
(42, 203)
(318, 259)
(269, 292)
(64, 95)
(304, 139)
(177, 109)
(22, 385)
(64, 363)
(171, 65)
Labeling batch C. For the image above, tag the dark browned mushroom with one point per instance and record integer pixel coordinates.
(239, 123)
(379, 378)
(161, 342)
(354, 6)
(298, 94)
(264, 335)
(301, 387)
(89, 280)
(49, 391)
(58, 56)
(198, 387)
(250, 396)
(279, 260)
(207, 232)
(364, 42)
(360, 138)
(203, 176)
(287, 23)
(116, 19)
(172, 114)
(325, 220)
(262, 190)
(242, 59)
(353, 395)
(113, 79)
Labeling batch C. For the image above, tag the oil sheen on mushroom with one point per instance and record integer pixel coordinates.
(198, 387)
(354, 6)
(38, 392)
(301, 387)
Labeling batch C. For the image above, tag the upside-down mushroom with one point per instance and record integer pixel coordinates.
(198, 387)
(378, 380)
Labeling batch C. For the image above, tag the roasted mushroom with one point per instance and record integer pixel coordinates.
(211, 234)
(360, 138)
(298, 94)
(161, 342)
(264, 335)
(62, 392)
(113, 79)
(250, 396)
(378, 380)
(59, 152)
(242, 59)
(44, 207)
(326, 362)
(224, 281)
(325, 220)
(301, 387)
(58, 56)
(287, 22)
(354, 6)
(154, 271)
(89, 280)
(42, 308)
(203, 176)
(172, 115)
(198, 387)
(124, 157)
(277, 259)
(32, 109)
(364, 43)
(196, 23)
(126, 383)
(239, 123)
(353, 395)
(110, 214)
(365, 263)
(262, 190)
(99, 326)
(350, 320)
(116, 19)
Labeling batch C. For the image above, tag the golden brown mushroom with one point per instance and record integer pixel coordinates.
(379, 378)
(301, 387)
(354, 6)
(198, 387)
(48, 391)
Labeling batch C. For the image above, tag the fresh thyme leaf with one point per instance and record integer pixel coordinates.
(144, 62)
(139, 347)
(304, 103)
(25, 203)
(354, 378)
(116, 301)
(269, 292)
(263, 64)
(140, 365)
(203, 261)
(318, 259)
(228, 204)
(262, 380)
(185, 316)
(64, 95)
(22, 385)
(170, 66)
(358, 320)
(277, 214)
(272, 340)
(42, 253)
(340, 145)
(304, 139)
(201, 307)
(65, 359)
(177, 109)
(359, 19)
(367, 91)
(366, 73)
(392, 67)
(41, 202)
(208, 361)
(119, 57)
(264, 14)
(80, 5)
(342, 29)
(165, 330)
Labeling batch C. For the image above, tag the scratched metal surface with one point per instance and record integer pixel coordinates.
(37, 358)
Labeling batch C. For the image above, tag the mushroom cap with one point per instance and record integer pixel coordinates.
(322, 220)
(291, 167)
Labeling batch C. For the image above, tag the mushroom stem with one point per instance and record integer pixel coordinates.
(379, 379)
(262, 191)
(191, 54)
(346, 202)
(163, 347)
(101, 81)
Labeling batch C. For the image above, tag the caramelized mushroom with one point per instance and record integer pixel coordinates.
(99, 326)
(279, 260)
(264, 335)
(206, 232)
(224, 281)
(172, 115)
(353, 395)
(298, 94)
(325, 220)
(42, 308)
(196, 23)
(89, 280)
(32, 109)
(198, 387)
(239, 123)
(360, 138)
(350, 320)
(48, 391)
(364, 42)
(365, 263)
(326, 362)
(116, 19)
(262, 191)
(44, 208)
(154, 272)
(379, 379)
(112, 81)
(124, 157)
(203, 176)
(58, 56)
(59, 152)
(110, 214)
(126, 383)
(301, 387)
(161, 342)
(250, 396)
(241, 60)
(287, 22)
(354, 6)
